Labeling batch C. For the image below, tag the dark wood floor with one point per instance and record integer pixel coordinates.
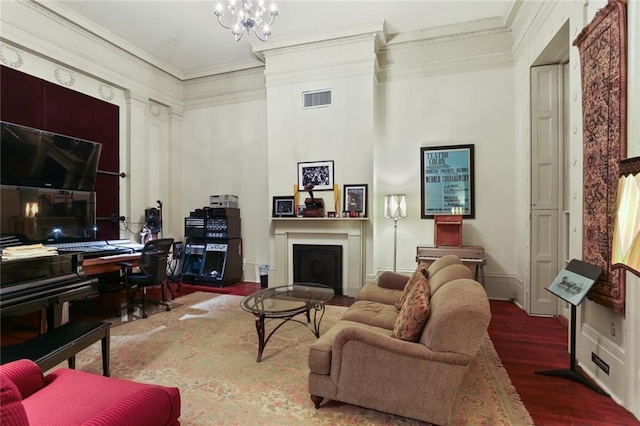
(525, 344)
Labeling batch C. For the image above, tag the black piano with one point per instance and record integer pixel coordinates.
(28, 285)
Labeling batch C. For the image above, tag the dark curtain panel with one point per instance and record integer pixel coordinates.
(33, 102)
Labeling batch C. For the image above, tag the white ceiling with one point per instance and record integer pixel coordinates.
(186, 35)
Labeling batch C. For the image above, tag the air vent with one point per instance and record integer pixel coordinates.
(317, 99)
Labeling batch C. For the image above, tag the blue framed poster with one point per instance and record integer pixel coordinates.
(447, 185)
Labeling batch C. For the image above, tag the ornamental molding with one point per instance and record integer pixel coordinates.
(432, 68)
(154, 109)
(106, 92)
(10, 56)
(102, 65)
(220, 99)
(264, 52)
(441, 39)
(64, 76)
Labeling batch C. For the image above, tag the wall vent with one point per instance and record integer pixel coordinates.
(316, 99)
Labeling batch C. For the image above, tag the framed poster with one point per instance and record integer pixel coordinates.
(284, 206)
(319, 173)
(447, 185)
(355, 198)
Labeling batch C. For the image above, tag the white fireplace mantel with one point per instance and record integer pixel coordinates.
(346, 232)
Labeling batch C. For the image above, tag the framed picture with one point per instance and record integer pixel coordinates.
(355, 198)
(301, 210)
(447, 185)
(284, 206)
(319, 173)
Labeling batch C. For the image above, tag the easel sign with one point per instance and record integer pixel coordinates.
(574, 282)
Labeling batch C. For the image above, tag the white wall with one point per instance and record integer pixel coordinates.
(225, 152)
(451, 109)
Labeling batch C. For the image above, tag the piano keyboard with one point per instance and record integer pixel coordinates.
(469, 255)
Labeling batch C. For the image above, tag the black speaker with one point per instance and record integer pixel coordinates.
(152, 219)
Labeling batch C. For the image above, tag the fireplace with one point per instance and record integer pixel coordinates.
(321, 264)
(348, 233)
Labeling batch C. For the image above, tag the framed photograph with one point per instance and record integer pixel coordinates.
(284, 206)
(447, 185)
(355, 198)
(319, 173)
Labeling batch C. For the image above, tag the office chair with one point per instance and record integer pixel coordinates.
(153, 272)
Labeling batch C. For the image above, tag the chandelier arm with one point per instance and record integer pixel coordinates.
(259, 35)
(222, 24)
(261, 25)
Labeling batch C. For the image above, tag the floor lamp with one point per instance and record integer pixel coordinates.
(395, 207)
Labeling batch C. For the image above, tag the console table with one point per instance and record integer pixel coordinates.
(469, 255)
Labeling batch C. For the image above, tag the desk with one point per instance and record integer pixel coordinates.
(469, 255)
(101, 265)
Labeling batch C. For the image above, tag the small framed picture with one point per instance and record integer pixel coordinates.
(301, 210)
(355, 199)
(284, 206)
(319, 173)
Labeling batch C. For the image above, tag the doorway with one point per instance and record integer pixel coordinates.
(549, 207)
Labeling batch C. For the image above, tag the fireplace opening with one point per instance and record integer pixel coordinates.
(320, 264)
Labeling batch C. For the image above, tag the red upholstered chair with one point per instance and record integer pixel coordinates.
(71, 397)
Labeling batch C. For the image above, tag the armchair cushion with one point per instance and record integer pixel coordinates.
(414, 313)
(78, 397)
(375, 293)
(372, 313)
(25, 374)
(421, 271)
(11, 410)
(72, 397)
(392, 280)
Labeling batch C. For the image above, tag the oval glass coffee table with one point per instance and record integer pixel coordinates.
(286, 302)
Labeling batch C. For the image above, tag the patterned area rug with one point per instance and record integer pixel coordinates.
(207, 347)
(603, 65)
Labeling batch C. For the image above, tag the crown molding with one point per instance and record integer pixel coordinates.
(528, 22)
(443, 67)
(214, 90)
(331, 71)
(375, 31)
(471, 46)
(448, 32)
(70, 15)
(225, 69)
(30, 27)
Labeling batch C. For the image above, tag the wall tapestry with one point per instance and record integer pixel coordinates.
(603, 65)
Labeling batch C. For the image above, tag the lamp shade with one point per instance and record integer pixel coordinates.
(395, 206)
(626, 237)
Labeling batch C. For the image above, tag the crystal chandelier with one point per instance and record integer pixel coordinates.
(248, 15)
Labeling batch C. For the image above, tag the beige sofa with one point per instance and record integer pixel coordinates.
(361, 361)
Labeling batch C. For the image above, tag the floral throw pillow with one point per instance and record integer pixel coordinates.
(414, 312)
(421, 270)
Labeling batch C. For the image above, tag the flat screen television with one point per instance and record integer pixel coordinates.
(35, 158)
(47, 215)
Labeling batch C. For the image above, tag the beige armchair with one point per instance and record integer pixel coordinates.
(358, 361)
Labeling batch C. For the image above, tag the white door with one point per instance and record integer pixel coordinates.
(546, 157)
